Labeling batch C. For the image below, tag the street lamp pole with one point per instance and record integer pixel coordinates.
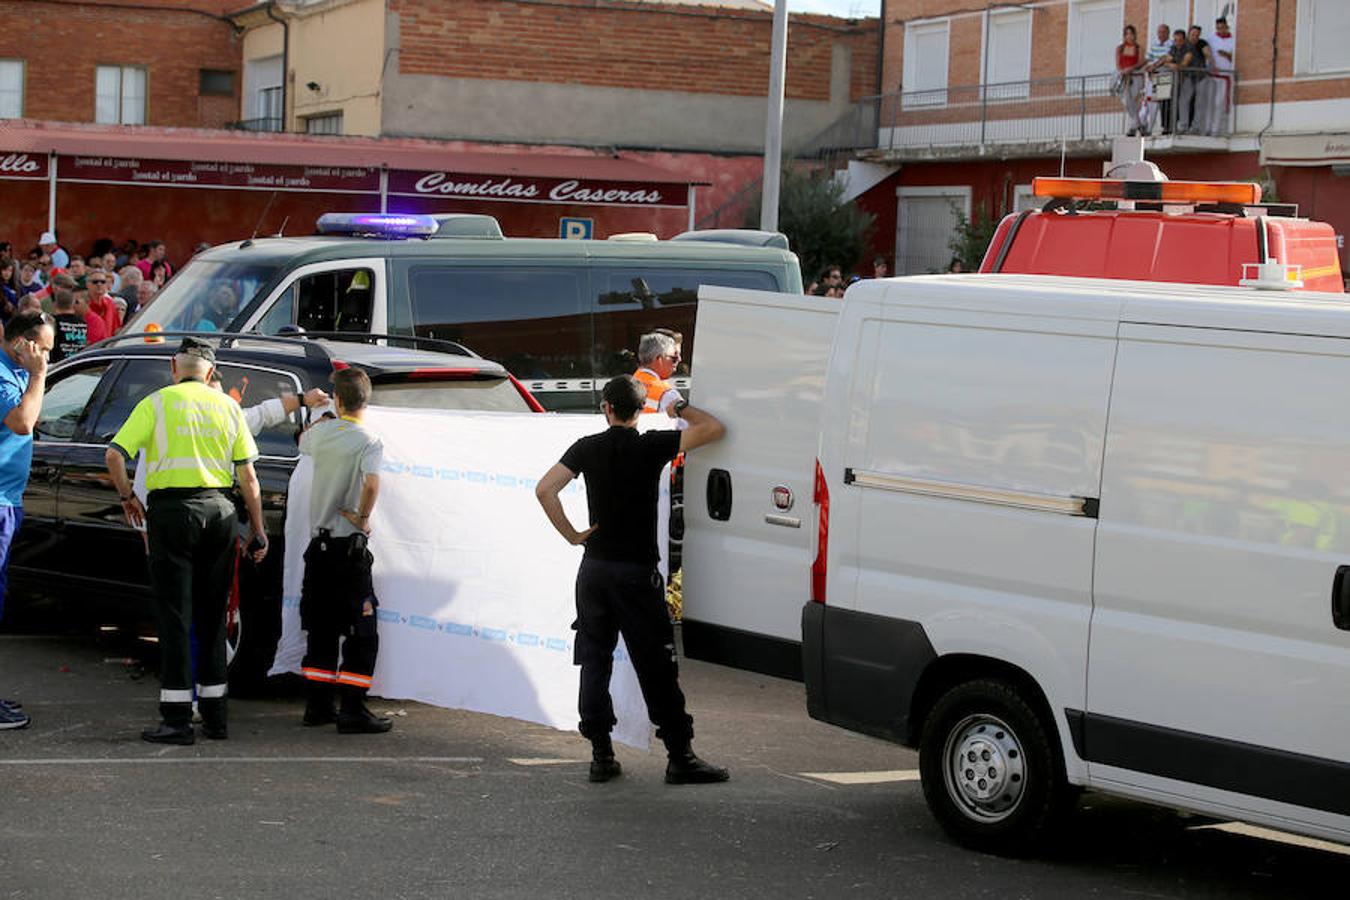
(773, 129)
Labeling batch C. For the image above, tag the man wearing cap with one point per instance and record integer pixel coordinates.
(195, 441)
(60, 258)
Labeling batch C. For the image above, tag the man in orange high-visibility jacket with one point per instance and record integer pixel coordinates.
(658, 355)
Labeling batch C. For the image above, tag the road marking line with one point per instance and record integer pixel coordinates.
(527, 761)
(263, 760)
(883, 777)
(1282, 837)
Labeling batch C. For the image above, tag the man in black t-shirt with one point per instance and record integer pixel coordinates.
(72, 333)
(619, 590)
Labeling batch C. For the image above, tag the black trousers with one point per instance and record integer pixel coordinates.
(616, 598)
(192, 550)
(333, 597)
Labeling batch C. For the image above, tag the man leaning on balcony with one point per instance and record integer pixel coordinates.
(1224, 50)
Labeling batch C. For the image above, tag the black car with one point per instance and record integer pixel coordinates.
(75, 547)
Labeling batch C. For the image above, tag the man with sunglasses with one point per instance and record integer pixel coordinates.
(101, 306)
(658, 355)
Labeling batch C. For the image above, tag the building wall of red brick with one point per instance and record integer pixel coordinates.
(613, 43)
(62, 43)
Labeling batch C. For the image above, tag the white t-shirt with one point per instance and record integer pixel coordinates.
(1228, 45)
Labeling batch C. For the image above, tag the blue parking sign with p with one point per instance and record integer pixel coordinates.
(575, 229)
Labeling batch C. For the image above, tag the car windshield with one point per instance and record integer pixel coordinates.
(205, 296)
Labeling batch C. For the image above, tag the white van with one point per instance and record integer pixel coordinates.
(1055, 533)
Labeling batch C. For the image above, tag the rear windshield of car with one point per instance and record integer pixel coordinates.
(206, 295)
(482, 395)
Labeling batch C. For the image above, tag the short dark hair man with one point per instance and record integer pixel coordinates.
(619, 590)
(337, 598)
(72, 332)
(23, 379)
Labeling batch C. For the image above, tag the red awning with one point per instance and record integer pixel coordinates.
(199, 144)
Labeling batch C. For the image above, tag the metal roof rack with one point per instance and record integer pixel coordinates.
(415, 341)
(226, 339)
(305, 340)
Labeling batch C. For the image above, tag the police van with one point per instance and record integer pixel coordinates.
(935, 497)
(561, 315)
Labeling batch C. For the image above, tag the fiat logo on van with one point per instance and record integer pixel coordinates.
(782, 497)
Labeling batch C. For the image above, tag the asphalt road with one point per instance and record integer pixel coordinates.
(454, 804)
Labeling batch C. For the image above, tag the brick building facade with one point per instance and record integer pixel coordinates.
(59, 46)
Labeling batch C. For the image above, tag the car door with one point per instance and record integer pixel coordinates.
(1218, 672)
(111, 553)
(40, 549)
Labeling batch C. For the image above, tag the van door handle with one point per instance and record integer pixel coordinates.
(1340, 598)
(719, 495)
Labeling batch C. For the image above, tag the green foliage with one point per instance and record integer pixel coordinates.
(823, 228)
(971, 238)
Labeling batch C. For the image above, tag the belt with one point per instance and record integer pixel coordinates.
(186, 491)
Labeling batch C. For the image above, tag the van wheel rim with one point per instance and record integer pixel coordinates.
(984, 768)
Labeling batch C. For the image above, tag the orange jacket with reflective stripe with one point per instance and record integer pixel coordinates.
(656, 389)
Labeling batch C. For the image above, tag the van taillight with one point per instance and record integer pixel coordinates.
(822, 498)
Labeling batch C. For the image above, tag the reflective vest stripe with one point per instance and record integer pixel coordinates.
(319, 674)
(656, 389)
(161, 429)
(184, 463)
(210, 691)
(183, 696)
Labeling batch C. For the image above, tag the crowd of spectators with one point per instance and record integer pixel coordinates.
(1182, 84)
(832, 282)
(89, 297)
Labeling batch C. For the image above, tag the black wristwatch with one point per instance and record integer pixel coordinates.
(681, 406)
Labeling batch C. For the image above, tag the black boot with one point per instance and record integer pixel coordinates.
(214, 722)
(603, 764)
(320, 705)
(686, 768)
(170, 734)
(356, 719)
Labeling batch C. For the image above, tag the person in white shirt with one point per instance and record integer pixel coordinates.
(1160, 81)
(1223, 47)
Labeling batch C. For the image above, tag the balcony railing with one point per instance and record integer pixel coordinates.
(264, 124)
(1049, 110)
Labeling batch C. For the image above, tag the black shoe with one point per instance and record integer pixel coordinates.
(362, 722)
(216, 732)
(170, 734)
(686, 768)
(319, 714)
(604, 768)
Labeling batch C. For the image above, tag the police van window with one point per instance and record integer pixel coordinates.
(137, 380)
(281, 314)
(249, 387)
(64, 403)
(631, 301)
(530, 319)
(206, 295)
(335, 301)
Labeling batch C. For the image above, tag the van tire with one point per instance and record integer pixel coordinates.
(1012, 803)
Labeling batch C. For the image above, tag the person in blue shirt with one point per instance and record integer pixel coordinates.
(23, 380)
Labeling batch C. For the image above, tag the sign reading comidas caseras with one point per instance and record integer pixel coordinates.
(531, 189)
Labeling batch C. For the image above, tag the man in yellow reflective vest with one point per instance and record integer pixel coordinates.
(195, 441)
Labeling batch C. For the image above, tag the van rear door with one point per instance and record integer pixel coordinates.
(761, 370)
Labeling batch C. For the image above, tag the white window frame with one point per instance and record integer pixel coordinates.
(1012, 91)
(121, 94)
(335, 114)
(254, 86)
(935, 96)
(1022, 192)
(961, 193)
(23, 83)
(1071, 74)
(379, 313)
(1304, 64)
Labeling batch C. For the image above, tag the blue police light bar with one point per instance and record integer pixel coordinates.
(392, 225)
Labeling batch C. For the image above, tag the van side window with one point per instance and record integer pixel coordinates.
(631, 301)
(530, 319)
(281, 314)
(334, 301)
